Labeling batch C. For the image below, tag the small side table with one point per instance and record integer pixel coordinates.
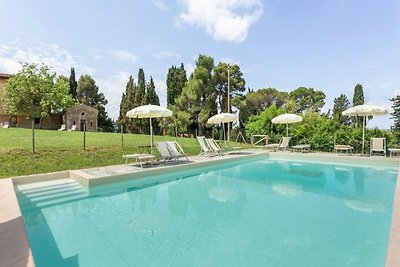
(394, 151)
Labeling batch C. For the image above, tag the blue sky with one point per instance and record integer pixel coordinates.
(330, 45)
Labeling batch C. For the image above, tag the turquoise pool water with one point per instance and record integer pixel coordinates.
(247, 213)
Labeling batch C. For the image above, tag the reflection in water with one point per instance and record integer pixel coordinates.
(365, 205)
(150, 222)
(254, 214)
(287, 190)
(222, 194)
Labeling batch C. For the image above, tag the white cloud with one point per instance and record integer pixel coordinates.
(61, 60)
(161, 89)
(225, 20)
(166, 54)
(228, 60)
(52, 55)
(160, 4)
(112, 87)
(189, 67)
(386, 84)
(124, 55)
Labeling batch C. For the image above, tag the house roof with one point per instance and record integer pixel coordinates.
(5, 75)
(83, 106)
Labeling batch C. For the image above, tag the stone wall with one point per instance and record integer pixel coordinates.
(79, 115)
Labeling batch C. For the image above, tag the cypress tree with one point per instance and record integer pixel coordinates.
(396, 116)
(141, 89)
(176, 80)
(171, 85)
(127, 103)
(358, 97)
(73, 84)
(151, 94)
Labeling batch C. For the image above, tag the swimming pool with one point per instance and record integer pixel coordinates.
(265, 212)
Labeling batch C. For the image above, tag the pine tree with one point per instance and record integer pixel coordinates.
(176, 80)
(73, 84)
(88, 93)
(396, 116)
(341, 103)
(198, 98)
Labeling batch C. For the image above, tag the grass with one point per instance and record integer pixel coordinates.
(61, 150)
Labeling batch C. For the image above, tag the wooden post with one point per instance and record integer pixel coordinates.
(122, 136)
(33, 136)
(84, 136)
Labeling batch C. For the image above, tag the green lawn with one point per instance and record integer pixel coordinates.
(56, 150)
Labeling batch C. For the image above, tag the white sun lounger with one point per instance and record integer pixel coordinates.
(176, 150)
(214, 146)
(140, 158)
(162, 148)
(378, 145)
(205, 150)
(302, 148)
(62, 128)
(283, 144)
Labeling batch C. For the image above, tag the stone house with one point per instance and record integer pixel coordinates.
(82, 114)
(76, 115)
(50, 122)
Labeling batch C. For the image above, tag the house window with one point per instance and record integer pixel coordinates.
(83, 113)
(91, 123)
(37, 120)
(73, 123)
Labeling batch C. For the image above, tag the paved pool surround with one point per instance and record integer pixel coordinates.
(14, 245)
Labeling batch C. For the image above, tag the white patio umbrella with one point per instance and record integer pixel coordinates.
(149, 111)
(223, 118)
(364, 111)
(287, 118)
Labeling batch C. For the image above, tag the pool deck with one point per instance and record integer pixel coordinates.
(14, 246)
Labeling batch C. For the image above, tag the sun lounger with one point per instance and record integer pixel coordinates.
(140, 158)
(73, 128)
(283, 144)
(176, 150)
(205, 150)
(62, 128)
(214, 146)
(302, 148)
(343, 149)
(165, 153)
(394, 151)
(378, 145)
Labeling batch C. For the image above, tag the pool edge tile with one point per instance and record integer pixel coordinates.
(15, 249)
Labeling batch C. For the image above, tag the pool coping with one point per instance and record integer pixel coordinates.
(15, 249)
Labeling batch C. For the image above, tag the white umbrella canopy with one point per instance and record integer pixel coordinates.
(223, 118)
(286, 119)
(149, 111)
(365, 111)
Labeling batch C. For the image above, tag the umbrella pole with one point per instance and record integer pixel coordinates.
(363, 135)
(151, 138)
(223, 129)
(287, 129)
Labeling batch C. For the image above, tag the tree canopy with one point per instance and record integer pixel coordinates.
(35, 91)
(88, 93)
